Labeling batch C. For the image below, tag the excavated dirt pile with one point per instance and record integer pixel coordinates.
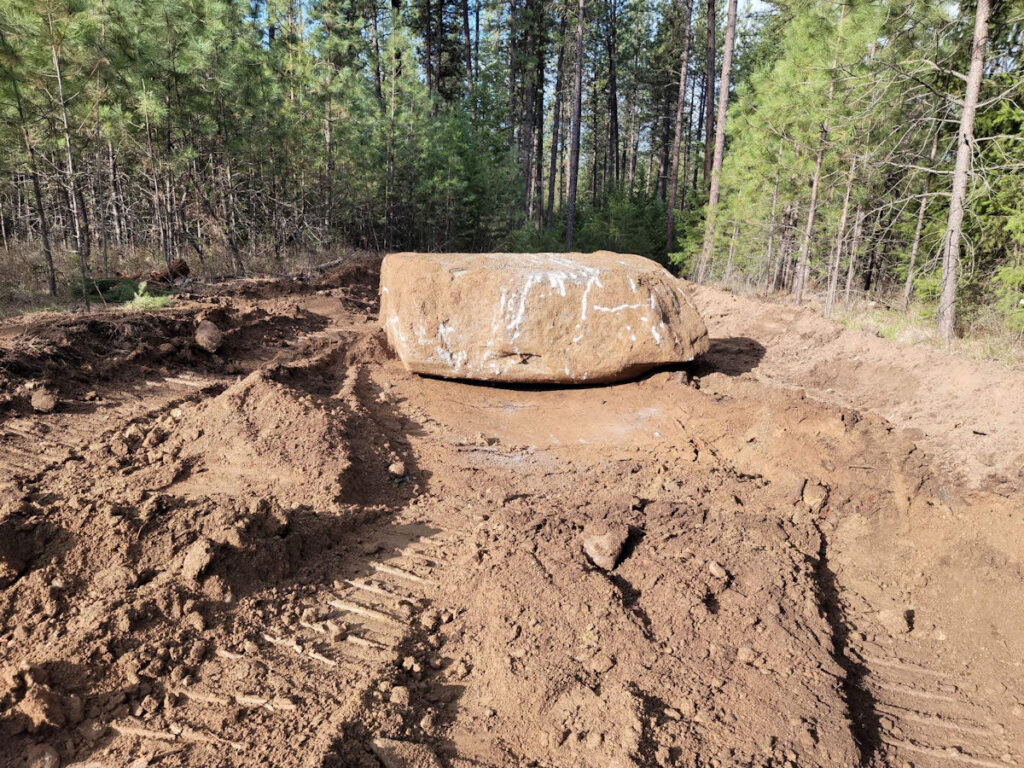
(291, 551)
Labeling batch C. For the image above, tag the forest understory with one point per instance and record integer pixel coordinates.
(293, 552)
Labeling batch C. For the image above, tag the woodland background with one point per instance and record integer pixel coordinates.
(253, 136)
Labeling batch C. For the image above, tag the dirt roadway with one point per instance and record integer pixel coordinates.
(294, 553)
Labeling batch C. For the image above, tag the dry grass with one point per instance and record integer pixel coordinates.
(986, 337)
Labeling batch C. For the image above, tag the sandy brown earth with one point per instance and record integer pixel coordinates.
(293, 552)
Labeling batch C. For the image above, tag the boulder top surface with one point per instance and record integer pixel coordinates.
(536, 317)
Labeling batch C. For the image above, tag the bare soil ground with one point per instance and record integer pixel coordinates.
(293, 552)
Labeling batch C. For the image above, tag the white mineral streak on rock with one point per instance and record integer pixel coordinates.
(536, 317)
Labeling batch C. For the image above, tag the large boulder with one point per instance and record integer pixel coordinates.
(536, 317)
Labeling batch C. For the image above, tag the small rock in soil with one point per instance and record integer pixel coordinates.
(43, 756)
(397, 469)
(716, 570)
(894, 620)
(209, 336)
(197, 559)
(43, 400)
(815, 495)
(604, 545)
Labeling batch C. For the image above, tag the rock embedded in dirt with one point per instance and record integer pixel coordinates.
(197, 559)
(43, 756)
(894, 620)
(815, 495)
(43, 400)
(542, 318)
(716, 570)
(209, 336)
(397, 469)
(604, 545)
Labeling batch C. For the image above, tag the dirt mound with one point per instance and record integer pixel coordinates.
(260, 439)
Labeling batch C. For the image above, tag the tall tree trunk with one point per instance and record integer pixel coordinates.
(812, 210)
(837, 251)
(526, 127)
(557, 124)
(673, 179)
(574, 141)
(428, 41)
(469, 46)
(613, 92)
(81, 250)
(958, 198)
(771, 224)
(709, 92)
(700, 122)
(716, 165)
(537, 198)
(732, 252)
(858, 228)
(908, 285)
(44, 226)
(666, 145)
(376, 54)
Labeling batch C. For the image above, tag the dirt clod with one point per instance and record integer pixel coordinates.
(197, 559)
(43, 400)
(208, 336)
(604, 545)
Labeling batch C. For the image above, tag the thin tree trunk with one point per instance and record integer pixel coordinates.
(771, 223)
(958, 198)
(557, 124)
(709, 92)
(44, 226)
(537, 198)
(428, 40)
(716, 166)
(613, 93)
(469, 46)
(858, 227)
(700, 122)
(376, 54)
(805, 245)
(574, 142)
(837, 252)
(908, 286)
(732, 251)
(673, 180)
(80, 250)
